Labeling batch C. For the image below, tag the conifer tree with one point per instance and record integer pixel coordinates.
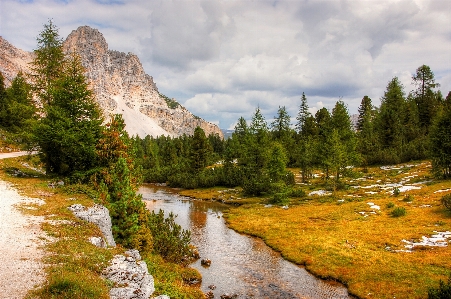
(280, 127)
(19, 112)
(440, 139)
(303, 114)
(366, 136)
(425, 96)
(200, 150)
(48, 63)
(390, 122)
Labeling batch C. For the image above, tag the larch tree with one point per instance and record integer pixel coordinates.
(425, 95)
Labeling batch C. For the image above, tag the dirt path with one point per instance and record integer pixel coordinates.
(21, 267)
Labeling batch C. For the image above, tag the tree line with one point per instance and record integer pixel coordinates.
(403, 128)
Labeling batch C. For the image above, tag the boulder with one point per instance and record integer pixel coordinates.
(130, 277)
(99, 215)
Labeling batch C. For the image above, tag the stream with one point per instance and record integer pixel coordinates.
(240, 264)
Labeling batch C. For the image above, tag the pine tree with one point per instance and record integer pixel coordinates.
(440, 140)
(389, 124)
(70, 129)
(366, 136)
(200, 150)
(20, 110)
(48, 63)
(303, 115)
(280, 127)
(425, 96)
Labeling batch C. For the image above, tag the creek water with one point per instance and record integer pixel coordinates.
(240, 264)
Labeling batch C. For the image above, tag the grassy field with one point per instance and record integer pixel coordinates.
(341, 236)
(73, 264)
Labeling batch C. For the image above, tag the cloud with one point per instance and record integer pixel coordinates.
(222, 59)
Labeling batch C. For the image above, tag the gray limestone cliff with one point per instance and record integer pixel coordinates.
(120, 85)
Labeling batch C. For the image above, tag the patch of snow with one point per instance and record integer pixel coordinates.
(319, 193)
(439, 239)
(442, 190)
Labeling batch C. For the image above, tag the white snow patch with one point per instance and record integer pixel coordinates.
(442, 190)
(439, 239)
(319, 193)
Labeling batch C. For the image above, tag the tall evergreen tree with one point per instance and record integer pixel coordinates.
(48, 63)
(425, 96)
(366, 136)
(389, 124)
(200, 150)
(440, 140)
(303, 114)
(280, 127)
(70, 129)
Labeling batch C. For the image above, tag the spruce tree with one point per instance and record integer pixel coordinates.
(280, 127)
(389, 122)
(366, 136)
(440, 140)
(303, 115)
(200, 150)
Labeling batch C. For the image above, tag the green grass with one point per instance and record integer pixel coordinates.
(73, 264)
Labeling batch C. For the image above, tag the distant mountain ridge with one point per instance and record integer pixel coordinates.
(120, 85)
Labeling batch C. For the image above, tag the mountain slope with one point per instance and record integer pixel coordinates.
(120, 85)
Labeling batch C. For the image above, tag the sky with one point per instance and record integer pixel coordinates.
(222, 59)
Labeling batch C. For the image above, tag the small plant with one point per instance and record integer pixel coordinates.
(408, 198)
(443, 291)
(396, 192)
(446, 201)
(297, 193)
(279, 199)
(169, 239)
(390, 205)
(398, 212)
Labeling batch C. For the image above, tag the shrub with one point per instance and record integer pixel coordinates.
(446, 201)
(169, 239)
(279, 199)
(443, 291)
(408, 198)
(390, 205)
(396, 191)
(296, 192)
(398, 212)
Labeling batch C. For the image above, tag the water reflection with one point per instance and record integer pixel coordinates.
(240, 264)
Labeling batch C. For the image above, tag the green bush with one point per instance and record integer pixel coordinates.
(446, 201)
(169, 239)
(396, 191)
(390, 205)
(279, 199)
(442, 292)
(398, 212)
(296, 192)
(408, 198)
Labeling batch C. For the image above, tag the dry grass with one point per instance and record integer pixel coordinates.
(73, 264)
(330, 236)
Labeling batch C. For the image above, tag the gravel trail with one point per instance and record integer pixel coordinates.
(21, 240)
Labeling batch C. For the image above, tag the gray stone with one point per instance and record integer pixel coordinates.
(130, 276)
(98, 241)
(97, 214)
(162, 297)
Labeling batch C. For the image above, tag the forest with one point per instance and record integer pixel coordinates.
(404, 128)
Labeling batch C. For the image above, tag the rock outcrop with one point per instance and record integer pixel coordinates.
(130, 277)
(120, 85)
(100, 216)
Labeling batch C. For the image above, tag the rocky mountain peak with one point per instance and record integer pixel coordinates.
(120, 85)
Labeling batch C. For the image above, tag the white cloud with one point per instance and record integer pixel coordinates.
(222, 59)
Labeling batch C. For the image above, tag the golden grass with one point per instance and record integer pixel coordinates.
(73, 264)
(333, 240)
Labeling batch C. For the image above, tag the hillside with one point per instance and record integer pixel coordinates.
(120, 85)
